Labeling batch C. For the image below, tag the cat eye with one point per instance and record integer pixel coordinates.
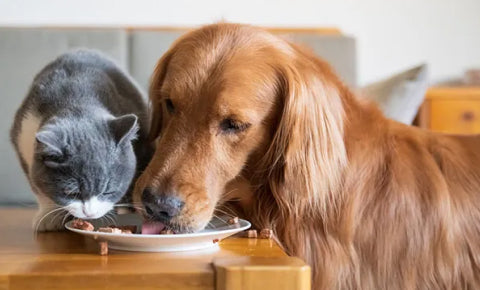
(53, 158)
(169, 105)
(109, 193)
(231, 126)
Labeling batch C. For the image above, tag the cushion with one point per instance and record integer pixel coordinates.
(401, 95)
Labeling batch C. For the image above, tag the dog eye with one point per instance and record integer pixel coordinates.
(169, 104)
(232, 126)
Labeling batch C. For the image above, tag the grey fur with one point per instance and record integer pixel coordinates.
(93, 128)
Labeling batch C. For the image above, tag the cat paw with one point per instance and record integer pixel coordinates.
(48, 223)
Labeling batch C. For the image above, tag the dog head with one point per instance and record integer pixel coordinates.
(228, 101)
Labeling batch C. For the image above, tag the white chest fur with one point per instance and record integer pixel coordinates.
(26, 138)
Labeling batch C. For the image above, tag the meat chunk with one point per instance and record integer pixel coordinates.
(103, 248)
(252, 234)
(126, 229)
(167, 232)
(82, 225)
(233, 221)
(266, 234)
(110, 230)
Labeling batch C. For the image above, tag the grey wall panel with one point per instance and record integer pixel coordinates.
(146, 48)
(338, 50)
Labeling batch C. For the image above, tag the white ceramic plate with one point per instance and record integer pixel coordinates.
(162, 243)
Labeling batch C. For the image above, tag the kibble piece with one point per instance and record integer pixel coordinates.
(126, 228)
(216, 241)
(110, 230)
(82, 225)
(166, 232)
(103, 248)
(252, 234)
(266, 234)
(233, 221)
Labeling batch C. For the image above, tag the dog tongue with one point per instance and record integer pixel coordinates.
(152, 228)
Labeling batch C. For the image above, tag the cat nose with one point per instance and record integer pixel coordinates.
(162, 207)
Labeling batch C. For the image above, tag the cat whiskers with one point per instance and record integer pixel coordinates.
(57, 215)
(128, 204)
(137, 206)
(219, 218)
(225, 197)
(66, 217)
(110, 217)
(230, 214)
(55, 210)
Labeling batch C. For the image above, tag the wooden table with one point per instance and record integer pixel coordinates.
(65, 260)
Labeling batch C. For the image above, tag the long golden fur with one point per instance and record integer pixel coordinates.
(368, 202)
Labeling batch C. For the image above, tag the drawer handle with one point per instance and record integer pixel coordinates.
(468, 116)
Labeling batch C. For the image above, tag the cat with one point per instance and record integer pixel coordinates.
(80, 137)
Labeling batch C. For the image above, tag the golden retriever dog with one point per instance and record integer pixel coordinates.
(242, 115)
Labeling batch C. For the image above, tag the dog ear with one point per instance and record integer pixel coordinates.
(156, 82)
(307, 154)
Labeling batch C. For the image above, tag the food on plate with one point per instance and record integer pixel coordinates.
(110, 230)
(149, 228)
(233, 221)
(167, 232)
(124, 233)
(126, 229)
(82, 225)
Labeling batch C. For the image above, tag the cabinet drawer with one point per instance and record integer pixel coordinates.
(455, 116)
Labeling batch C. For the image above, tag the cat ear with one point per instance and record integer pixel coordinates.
(124, 128)
(49, 148)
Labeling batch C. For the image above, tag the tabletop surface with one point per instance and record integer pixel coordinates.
(66, 259)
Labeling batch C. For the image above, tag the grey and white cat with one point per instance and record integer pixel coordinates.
(78, 135)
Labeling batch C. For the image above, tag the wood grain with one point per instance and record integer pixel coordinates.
(454, 110)
(65, 260)
(251, 273)
(460, 116)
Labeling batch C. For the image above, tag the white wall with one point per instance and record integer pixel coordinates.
(391, 34)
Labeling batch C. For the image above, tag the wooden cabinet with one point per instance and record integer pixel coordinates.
(454, 110)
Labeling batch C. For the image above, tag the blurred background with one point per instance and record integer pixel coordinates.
(390, 35)
(418, 59)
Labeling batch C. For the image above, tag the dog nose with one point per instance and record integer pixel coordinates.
(161, 206)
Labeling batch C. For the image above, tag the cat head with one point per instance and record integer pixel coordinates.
(85, 165)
